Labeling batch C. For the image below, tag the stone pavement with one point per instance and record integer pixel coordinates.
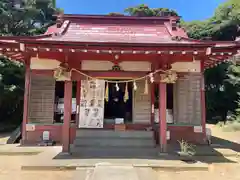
(51, 160)
(45, 158)
(84, 169)
(106, 171)
(114, 172)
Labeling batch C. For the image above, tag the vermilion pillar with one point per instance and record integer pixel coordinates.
(67, 116)
(152, 102)
(78, 96)
(155, 134)
(26, 100)
(162, 116)
(203, 101)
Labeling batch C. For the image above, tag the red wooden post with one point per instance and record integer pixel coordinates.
(155, 134)
(78, 97)
(203, 101)
(26, 100)
(162, 116)
(152, 102)
(67, 116)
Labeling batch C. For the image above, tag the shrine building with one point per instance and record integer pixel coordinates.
(95, 73)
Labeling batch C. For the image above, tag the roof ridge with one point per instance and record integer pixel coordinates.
(102, 16)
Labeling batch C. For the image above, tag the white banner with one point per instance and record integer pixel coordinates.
(92, 104)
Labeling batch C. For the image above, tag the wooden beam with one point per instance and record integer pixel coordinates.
(109, 74)
(100, 74)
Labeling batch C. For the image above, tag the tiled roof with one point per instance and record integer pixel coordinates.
(120, 30)
(114, 33)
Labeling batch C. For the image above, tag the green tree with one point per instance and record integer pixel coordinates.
(221, 81)
(31, 18)
(224, 25)
(144, 10)
(11, 90)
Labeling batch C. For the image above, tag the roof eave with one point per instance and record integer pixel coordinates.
(53, 42)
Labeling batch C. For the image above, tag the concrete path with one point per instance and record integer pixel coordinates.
(115, 172)
(45, 159)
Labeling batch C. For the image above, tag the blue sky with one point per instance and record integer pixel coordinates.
(188, 9)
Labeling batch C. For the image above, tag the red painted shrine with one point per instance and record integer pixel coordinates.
(115, 73)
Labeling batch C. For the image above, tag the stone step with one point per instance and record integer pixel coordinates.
(115, 142)
(113, 134)
(121, 152)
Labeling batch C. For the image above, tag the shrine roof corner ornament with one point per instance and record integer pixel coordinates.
(112, 33)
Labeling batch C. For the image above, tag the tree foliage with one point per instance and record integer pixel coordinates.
(222, 82)
(224, 25)
(144, 10)
(31, 18)
(11, 90)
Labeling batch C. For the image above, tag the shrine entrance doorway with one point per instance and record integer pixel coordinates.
(119, 105)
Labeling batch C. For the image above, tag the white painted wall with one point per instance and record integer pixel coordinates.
(135, 66)
(44, 64)
(194, 66)
(91, 65)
